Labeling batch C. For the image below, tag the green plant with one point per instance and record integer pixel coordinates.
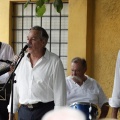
(41, 8)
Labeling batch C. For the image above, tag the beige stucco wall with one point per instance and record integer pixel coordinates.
(93, 34)
(106, 42)
(77, 29)
(4, 21)
(100, 40)
(99, 43)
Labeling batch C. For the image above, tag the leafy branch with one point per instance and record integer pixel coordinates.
(41, 8)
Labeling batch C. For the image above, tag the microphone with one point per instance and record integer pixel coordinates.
(25, 47)
(4, 70)
(6, 61)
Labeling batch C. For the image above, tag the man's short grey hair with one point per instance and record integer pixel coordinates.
(79, 60)
(64, 113)
(43, 33)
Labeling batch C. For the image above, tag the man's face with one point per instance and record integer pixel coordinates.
(77, 70)
(34, 41)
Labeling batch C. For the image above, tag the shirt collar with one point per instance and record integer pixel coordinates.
(46, 55)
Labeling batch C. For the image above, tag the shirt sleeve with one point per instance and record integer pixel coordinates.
(4, 78)
(102, 97)
(59, 87)
(8, 55)
(114, 101)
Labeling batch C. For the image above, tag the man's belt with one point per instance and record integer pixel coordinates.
(36, 105)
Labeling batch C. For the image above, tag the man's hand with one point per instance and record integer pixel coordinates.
(11, 69)
(12, 66)
(114, 112)
(104, 110)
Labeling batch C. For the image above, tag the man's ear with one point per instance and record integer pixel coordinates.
(85, 69)
(44, 42)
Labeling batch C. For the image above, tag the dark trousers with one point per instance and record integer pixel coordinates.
(4, 100)
(3, 110)
(36, 113)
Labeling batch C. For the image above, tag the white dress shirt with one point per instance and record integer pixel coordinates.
(44, 82)
(6, 53)
(89, 92)
(114, 101)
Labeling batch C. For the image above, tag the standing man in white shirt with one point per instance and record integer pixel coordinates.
(6, 53)
(114, 101)
(40, 77)
(84, 90)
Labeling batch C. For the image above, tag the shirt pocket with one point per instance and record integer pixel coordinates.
(92, 94)
(41, 78)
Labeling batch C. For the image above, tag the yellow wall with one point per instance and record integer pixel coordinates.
(77, 29)
(4, 21)
(106, 42)
(93, 33)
